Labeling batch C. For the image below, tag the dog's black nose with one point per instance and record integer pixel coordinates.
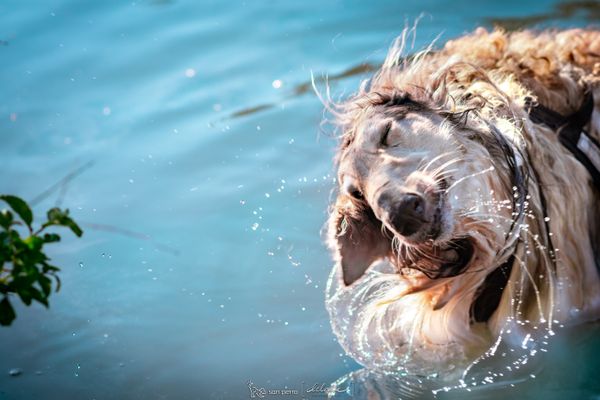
(406, 213)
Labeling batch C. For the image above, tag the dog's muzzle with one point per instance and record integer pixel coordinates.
(407, 214)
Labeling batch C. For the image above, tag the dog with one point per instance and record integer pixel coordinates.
(468, 206)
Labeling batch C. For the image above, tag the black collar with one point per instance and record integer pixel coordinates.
(584, 148)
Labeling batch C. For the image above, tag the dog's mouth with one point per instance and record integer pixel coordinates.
(439, 261)
(422, 226)
(456, 257)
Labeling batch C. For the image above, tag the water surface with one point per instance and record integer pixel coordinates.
(202, 183)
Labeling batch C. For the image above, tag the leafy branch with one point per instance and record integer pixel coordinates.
(24, 267)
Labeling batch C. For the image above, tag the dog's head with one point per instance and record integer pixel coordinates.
(418, 185)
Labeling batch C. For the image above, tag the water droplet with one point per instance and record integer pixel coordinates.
(190, 72)
(80, 264)
(255, 226)
(574, 311)
(525, 340)
(277, 83)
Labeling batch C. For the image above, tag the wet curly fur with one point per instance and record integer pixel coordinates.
(450, 125)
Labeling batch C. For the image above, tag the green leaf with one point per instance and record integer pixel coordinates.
(50, 268)
(6, 218)
(51, 237)
(34, 242)
(55, 214)
(74, 227)
(45, 284)
(7, 314)
(39, 296)
(25, 293)
(58, 283)
(61, 218)
(20, 207)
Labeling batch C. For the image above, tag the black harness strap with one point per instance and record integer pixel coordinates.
(571, 134)
(584, 148)
(488, 295)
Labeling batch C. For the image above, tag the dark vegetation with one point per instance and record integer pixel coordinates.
(25, 270)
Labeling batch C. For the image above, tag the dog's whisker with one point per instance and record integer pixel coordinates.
(445, 172)
(446, 165)
(434, 159)
(458, 181)
(440, 176)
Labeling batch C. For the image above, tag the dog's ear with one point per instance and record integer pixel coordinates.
(357, 240)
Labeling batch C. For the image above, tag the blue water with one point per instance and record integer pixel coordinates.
(202, 180)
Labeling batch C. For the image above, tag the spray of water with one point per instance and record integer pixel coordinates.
(376, 322)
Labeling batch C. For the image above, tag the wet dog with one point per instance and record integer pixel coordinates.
(468, 204)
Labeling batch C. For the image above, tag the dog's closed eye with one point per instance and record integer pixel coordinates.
(383, 142)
